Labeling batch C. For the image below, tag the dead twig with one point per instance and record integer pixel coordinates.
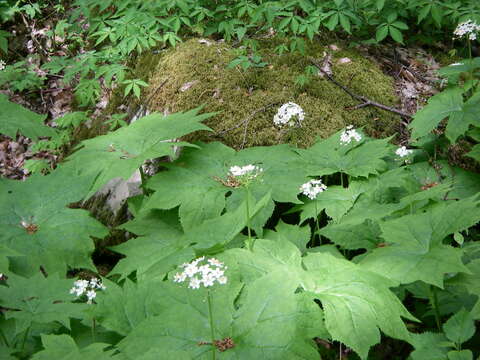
(245, 123)
(365, 101)
(155, 91)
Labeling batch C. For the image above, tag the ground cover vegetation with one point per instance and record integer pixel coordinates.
(346, 247)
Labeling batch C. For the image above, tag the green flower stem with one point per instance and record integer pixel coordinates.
(212, 330)
(93, 329)
(317, 228)
(341, 179)
(250, 245)
(434, 303)
(471, 63)
(25, 337)
(4, 339)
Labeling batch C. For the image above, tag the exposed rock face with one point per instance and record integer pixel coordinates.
(196, 73)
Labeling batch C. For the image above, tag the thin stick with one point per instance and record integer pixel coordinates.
(155, 91)
(247, 119)
(365, 101)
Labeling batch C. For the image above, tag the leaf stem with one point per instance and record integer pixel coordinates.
(250, 245)
(472, 90)
(4, 338)
(317, 228)
(434, 302)
(25, 338)
(212, 331)
(93, 329)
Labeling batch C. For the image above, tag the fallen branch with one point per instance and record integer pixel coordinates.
(365, 101)
(245, 122)
(155, 91)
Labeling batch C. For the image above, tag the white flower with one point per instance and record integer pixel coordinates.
(248, 171)
(79, 287)
(403, 151)
(208, 280)
(194, 283)
(90, 296)
(468, 28)
(349, 134)
(87, 288)
(179, 277)
(3, 64)
(313, 188)
(289, 113)
(215, 262)
(236, 171)
(202, 272)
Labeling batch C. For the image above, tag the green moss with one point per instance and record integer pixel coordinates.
(238, 95)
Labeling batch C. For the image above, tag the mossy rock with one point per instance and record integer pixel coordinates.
(257, 93)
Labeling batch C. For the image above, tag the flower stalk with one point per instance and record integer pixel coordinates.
(212, 329)
(250, 243)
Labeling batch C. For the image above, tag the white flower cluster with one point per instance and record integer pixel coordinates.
(468, 29)
(403, 151)
(202, 274)
(251, 171)
(288, 113)
(81, 287)
(3, 64)
(313, 188)
(349, 134)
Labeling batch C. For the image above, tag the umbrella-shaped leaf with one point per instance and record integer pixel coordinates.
(120, 153)
(417, 251)
(39, 300)
(39, 225)
(64, 347)
(15, 118)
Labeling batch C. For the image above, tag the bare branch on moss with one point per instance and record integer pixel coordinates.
(245, 123)
(155, 91)
(365, 101)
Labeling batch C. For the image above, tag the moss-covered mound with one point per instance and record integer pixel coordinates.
(195, 73)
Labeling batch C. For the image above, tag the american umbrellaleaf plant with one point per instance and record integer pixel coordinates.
(468, 29)
(204, 272)
(289, 114)
(202, 275)
(350, 134)
(311, 189)
(403, 154)
(244, 175)
(88, 288)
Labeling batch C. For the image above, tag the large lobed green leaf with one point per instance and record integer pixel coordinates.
(357, 303)
(269, 322)
(120, 153)
(416, 250)
(64, 347)
(36, 223)
(165, 245)
(15, 118)
(447, 104)
(194, 182)
(39, 300)
(362, 158)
